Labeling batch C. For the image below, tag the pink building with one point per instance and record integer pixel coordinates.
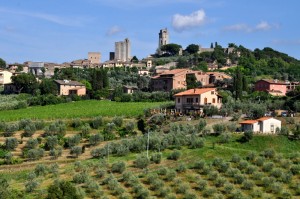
(67, 87)
(273, 87)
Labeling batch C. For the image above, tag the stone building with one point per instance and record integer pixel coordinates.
(123, 50)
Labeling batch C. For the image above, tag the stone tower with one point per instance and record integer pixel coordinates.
(123, 50)
(163, 38)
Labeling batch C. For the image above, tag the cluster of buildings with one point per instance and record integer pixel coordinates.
(275, 87)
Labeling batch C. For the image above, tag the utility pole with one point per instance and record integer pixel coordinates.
(148, 145)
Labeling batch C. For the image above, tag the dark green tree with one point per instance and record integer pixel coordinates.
(171, 49)
(25, 83)
(134, 59)
(62, 190)
(47, 86)
(238, 83)
(2, 63)
(191, 81)
(192, 48)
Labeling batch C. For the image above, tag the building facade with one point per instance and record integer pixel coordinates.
(273, 87)
(193, 100)
(36, 68)
(123, 50)
(67, 87)
(163, 37)
(261, 125)
(5, 77)
(94, 57)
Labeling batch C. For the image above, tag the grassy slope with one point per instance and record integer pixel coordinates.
(89, 108)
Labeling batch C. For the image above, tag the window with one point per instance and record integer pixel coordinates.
(272, 128)
(214, 100)
(212, 92)
(178, 100)
(196, 99)
(205, 100)
(189, 100)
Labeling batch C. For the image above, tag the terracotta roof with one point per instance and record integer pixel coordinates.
(68, 82)
(196, 91)
(249, 122)
(273, 81)
(173, 72)
(263, 118)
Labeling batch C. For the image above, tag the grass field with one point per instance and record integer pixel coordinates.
(82, 109)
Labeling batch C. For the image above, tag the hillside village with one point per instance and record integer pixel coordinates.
(194, 122)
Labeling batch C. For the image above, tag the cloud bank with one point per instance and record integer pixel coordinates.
(184, 22)
(113, 30)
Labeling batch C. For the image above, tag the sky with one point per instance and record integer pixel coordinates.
(65, 30)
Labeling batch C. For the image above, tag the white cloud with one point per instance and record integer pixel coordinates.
(113, 30)
(183, 22)
(262, 26)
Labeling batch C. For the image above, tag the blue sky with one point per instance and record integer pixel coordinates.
(65, 30)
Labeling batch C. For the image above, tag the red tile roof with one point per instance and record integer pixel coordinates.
(196, 91)
(173, 72)
(263, 118)
(249, 122)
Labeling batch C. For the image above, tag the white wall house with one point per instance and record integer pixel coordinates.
(262, 125)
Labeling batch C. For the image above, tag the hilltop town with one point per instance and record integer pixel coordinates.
(183, 122)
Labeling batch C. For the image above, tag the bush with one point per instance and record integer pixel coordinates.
(181, 168)
(55, 153)
(10, 129)
(171, 174)
(269, 153)
(156, 158)
(40, 170)
(74, 140)
(97, 122)
(35, 154)
(29, 130)
(268, 166)
(76, 122)
(225, 137)
(85, 130)
(63, 189)
(118, 167)
(247, 185)
(141, 161)
(81, 177)
(175, 155)
(11, 143)
(31, 143)
(201, 125)
(219, 128)
(95, 139)
(118, 121)
(51, 142)
(76, 150)
(201, 185)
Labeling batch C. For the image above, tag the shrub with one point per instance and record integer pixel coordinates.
(95, 139)
(129, 127)
(219, 181)
(269, 153)
(118, 121)
(225, 137)
(35, 154)
(51, 142)
(182, 188)
(97, 122)
(29, 130)
(201, 125)
(10, 129)
(142, 161)
(31, 143)
(175, 155)
(157, 184)
(181, 168)
(235, 158)
(85, 130)
(99, 153)
(156, 158)
(259, 161)
(39, 124)
(63, 189)
(55, 153)
(295, 169)
(76, 122)
(118, 167)
(40, 170)
(247, 185)
(80, 177)
(76, 150)
(201, 184)
(11, 143)
(228, 188)
(30, 186)
(162, 171)
(238, 178)
(268, 166)
(195, 142)
(74, 140)
(171, 174)
(199, 164)
(209, 192)
(219, 128)
(248, 135)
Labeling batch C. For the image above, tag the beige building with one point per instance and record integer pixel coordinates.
(193, 100)
(5, 77)
(262, 125)
(94, 57)
(67, 87)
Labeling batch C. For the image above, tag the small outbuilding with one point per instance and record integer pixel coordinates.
(266, 125)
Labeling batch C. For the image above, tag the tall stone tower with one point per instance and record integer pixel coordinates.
(123, 50)
(94, 57)
(163, 38)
